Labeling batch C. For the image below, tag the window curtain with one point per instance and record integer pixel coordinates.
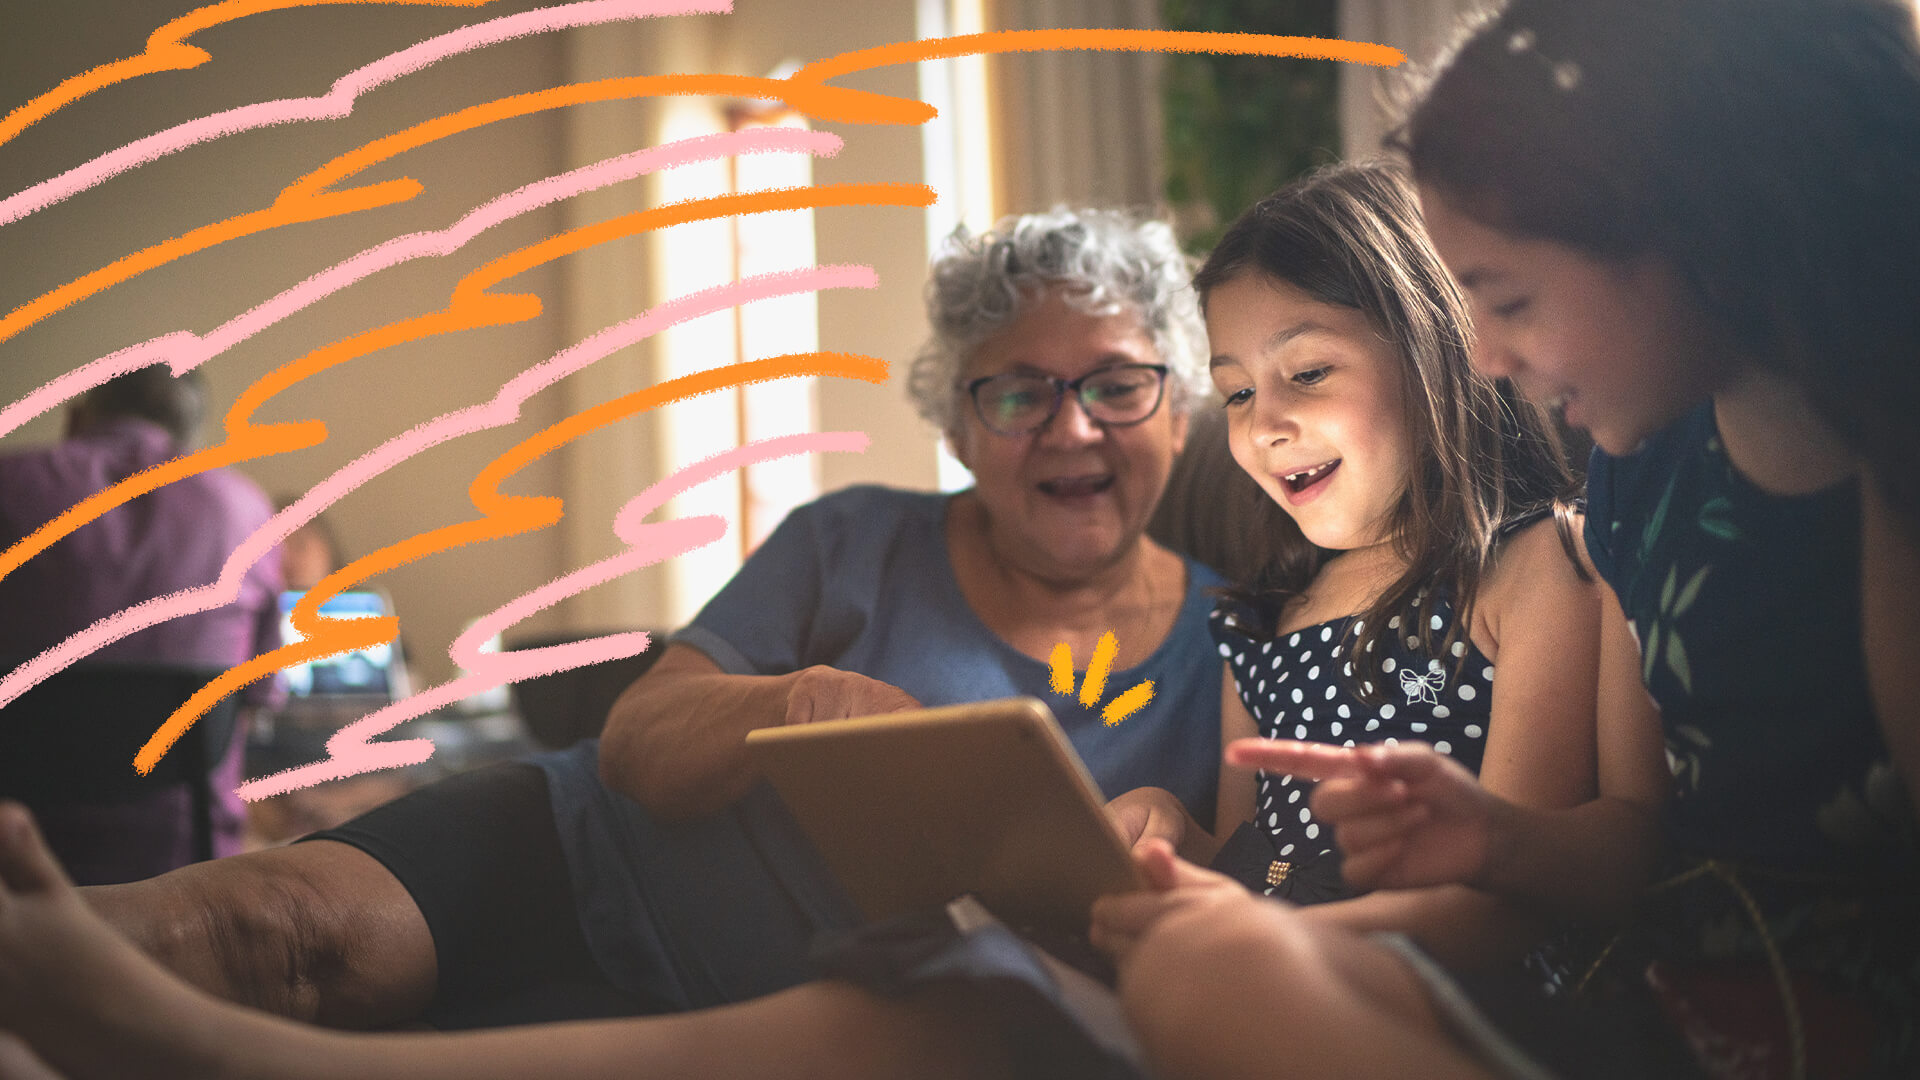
(1077, 127)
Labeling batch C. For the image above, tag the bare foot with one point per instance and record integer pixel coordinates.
(87, 1002)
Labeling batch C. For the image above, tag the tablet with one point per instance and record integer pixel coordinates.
(912, 809)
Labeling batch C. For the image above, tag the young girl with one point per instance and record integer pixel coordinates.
(1417, 549)
(1694, 225)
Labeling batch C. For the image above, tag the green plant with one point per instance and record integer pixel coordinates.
(1240, 126)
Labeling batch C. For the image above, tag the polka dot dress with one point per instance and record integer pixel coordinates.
(1300, 686)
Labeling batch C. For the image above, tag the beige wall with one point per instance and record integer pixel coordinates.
(370, 399)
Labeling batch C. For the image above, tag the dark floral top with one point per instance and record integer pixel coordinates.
(1746, 606)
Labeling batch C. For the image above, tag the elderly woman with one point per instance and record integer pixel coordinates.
(652, 871)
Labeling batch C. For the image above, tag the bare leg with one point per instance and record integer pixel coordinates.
(319, 931)
(1247, 988)
(92, 1005)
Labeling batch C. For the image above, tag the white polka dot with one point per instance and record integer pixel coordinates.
(1369, 646)
(1281, 716)
(1294, 640)
(1344, 712)
(1284, 674)
(1287, 779)
(1468, 693)
(1459, 648)
(1347, 669)
(1393, 623)
(1388, 665)
(1226, 649)
(1348, 744)
(1373, 725)
(1442, 712)
(1413, 642)
(1305, 656)
(1326, 634)
(1331, 691)
(1293, 796)
(1313, 672)
(1435, 622)
(1240, 658)
(1474, 731)
(1297, 695)
(1386, 711)
(1266, 646)
(1273, 821)
(1417, 727)
(1391, 741)
(1358, 625)
(1288, 850)
(1487, 674)
(1278, 660)
(1434, 665)
(1336, 652)
(1306, 713)
(1306, 815)
(1367, 686)
(1262, 688)
(1443, 746)
(1300, 731)
(1313, 831)
(1334, 728)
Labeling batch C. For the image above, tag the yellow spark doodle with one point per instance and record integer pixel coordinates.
(1095, 683)
(1128, 703)
(1060, 668)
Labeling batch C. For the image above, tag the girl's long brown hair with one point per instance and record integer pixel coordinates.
(1351, 235)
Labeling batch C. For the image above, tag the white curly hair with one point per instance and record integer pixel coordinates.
(1109, 261)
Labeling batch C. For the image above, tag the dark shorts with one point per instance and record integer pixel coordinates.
(480, 857)
(695, 913)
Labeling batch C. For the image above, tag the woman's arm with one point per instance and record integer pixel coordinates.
(675, 741)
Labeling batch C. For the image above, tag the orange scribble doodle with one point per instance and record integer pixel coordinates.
(330, 191)
(1005, 41)
(471, 306)
(502, 515)
(1094, 684)
(311, 198)
(167, 50)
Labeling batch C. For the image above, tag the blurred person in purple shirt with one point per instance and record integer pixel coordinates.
(176, 537)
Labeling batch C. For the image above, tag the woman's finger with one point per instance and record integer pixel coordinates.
(1351, 797)
(1379, 830)
(1316, 761)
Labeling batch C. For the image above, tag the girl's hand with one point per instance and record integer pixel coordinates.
(1149, 813)
(1173, 884)
(1405, 816)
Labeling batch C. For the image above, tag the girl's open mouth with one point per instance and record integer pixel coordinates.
(1307, 479)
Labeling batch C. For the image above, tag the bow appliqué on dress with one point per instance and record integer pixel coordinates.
(1422, 685)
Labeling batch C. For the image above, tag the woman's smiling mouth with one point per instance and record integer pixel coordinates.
(1067, 487)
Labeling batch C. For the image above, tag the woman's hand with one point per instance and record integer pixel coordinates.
(823, 693)
(1173, 884)
(1405, 816)
(1149, 813)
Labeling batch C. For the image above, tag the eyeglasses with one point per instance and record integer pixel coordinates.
(1017, 404)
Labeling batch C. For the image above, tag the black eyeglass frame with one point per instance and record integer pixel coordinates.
(1060, 388)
